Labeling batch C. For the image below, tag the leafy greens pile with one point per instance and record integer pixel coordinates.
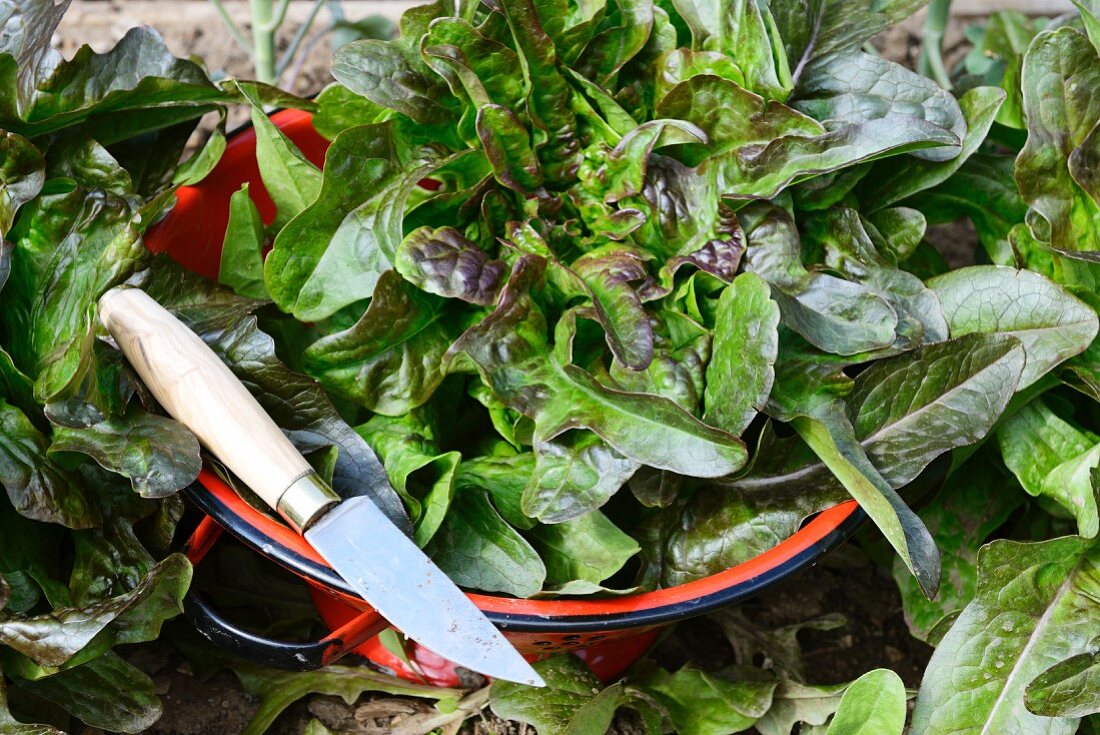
(619, 294)
(652, 224)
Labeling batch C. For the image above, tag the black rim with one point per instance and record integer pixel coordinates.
(295, 562)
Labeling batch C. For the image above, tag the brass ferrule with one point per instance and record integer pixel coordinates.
(305, 501)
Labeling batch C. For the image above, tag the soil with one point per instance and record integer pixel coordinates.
(872, 635)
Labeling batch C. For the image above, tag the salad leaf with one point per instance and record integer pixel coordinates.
(70, 636)
(445, 263)
(391, 360)
(888, 183)
(107, 692)
(71, 246)
(746, 344)
(720, 528)
(873, 703)
(902, 528)
(1051, 170)
(158, 89)
(831, 313)
(794, 703)
(1049, 322)
(573, 475)
(334, 251)
(572, 703)
(242, 263)
(745, 32)
(983, 190)
(1032, 607)
(851, 250)
(972, 505)
(811, 29)
(420, 472)
(291, 181)
(857, 87)
(277, 690)
(472, 529)
(590, 549)
(159, 455)
(393, 76)
(36, 486)
(22, 174)
(699, 703)
(548, 95)
(1067, 689)
(1053, 459)
(911, 408)
(509, 348)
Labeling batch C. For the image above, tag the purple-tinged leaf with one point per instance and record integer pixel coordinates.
(442, 261)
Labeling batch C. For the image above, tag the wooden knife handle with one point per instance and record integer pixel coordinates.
(199, 391)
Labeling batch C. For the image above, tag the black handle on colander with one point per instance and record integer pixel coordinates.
(256, 648)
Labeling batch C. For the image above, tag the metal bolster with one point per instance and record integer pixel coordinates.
(305, 501)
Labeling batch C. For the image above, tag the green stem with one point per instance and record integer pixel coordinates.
(233, 29)
(930, 62)
(263, 40)
(280, 15)
(299, 36)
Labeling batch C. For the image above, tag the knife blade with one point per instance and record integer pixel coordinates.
(354, 536)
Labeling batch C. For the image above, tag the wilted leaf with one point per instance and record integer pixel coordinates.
(794, 703)
(277, 690)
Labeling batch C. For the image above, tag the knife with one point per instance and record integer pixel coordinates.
(376, 559)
